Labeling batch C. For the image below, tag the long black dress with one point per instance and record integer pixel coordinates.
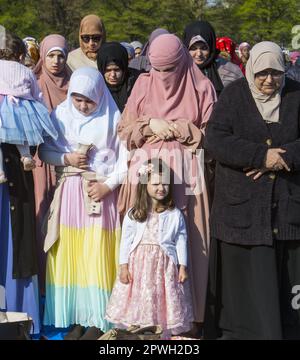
(18, 256)
(255, 225)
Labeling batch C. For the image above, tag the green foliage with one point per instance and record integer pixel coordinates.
(268, 20)
(127, 20)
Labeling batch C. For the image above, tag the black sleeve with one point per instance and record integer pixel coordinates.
(292, 155)
(224, 145)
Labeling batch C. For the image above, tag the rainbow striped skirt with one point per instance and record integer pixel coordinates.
(82, 264)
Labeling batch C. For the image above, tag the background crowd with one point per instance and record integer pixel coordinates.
(93, 234)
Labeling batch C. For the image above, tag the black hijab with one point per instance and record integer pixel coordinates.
(115, 53)
(209, 67)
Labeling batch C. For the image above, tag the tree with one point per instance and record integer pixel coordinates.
(127, 20)
(268, 20)
(20, 17)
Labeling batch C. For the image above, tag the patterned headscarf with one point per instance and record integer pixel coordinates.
(33, 51)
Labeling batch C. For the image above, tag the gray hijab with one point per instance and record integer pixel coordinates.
(265, 55)
(142, 62)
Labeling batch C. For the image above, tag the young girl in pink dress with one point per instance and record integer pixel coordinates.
(152, 288)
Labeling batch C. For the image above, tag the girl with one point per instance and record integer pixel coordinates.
(83, 241)
(24, 120)
(152, 287)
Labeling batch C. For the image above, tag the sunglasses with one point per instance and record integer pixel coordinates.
(87, 38)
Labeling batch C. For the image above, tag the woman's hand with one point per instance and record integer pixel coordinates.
(162, 130)
(182, 275)
(256, 172)
(77, 160)
(97, 191)
(124, 276)
(274, 161)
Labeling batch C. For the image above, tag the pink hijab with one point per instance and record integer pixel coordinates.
(53, 87)
(181, 93)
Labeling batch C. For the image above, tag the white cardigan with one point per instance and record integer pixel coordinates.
(172, 236)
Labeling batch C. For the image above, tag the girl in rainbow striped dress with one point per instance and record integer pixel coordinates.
(83, 226)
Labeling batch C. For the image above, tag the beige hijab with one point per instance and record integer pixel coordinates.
(90, 24)
(265, 55)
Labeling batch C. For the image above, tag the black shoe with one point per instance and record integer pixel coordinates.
(75, 333)
(92, 333)
(226, 335)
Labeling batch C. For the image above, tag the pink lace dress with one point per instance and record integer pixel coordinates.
(154, 297)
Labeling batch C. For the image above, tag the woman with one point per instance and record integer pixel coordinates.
(112, 62)
(130, 50)
(244, 53)
(166, 117)
(294, 55)
(91, 36)
(52, 71)
(142, 62)
(83, 227)
(254, 135)
(200, 39)
(32, 52)
(227, 48)
(294, 71)
(18, 255)
(138, 46)
(53, 75)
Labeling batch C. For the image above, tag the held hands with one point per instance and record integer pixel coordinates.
(182, 274)
(77, 160)
(162, 130)
(124, 276)
(97, 191)
(273, 162)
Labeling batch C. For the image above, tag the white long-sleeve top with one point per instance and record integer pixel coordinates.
(172, 236)
(108, 157)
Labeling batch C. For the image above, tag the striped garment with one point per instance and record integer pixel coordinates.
(82, 264)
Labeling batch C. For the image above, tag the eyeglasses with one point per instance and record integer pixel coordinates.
(262, 75)
(87, 38)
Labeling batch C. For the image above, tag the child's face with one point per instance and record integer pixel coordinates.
(156, 188)
(83, 104)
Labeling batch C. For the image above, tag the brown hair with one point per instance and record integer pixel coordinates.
(139, 211)
(13, 47)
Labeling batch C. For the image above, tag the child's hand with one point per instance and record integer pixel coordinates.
(125, 276)
(97, 191)
(76, 160)
(182, 275)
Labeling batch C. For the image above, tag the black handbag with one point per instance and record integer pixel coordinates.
(16, 330)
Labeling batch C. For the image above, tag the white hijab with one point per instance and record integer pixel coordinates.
(98, 128)
(265, 55)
